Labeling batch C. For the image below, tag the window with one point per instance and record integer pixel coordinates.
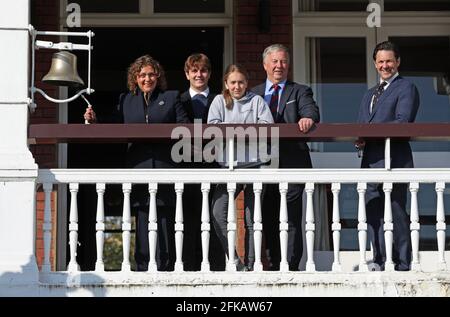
(108, 6)
(416, 5)
(191, 6)
(332, 5)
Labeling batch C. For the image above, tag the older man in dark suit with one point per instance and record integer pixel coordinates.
(393, 100)
(289, 102)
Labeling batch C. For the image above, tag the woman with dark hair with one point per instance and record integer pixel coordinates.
(149, 102)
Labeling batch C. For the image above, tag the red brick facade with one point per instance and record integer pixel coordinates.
(250, 42)
(44, 17)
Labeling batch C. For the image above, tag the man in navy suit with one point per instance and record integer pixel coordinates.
(393, 100)
(290, 102)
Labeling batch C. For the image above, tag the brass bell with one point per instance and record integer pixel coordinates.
(63, 71)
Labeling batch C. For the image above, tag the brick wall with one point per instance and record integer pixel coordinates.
(250, 42)
(44, 17)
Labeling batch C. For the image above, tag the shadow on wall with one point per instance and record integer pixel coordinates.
(28, 282)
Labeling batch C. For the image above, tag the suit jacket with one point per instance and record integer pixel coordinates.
(398, 104)
(296, 102)
(186, 100)
(163, 107)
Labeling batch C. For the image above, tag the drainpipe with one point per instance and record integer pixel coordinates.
(18, 170)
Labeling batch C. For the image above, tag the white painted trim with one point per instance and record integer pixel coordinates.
(264, 175)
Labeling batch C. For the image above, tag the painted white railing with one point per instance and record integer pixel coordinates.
(309, 177)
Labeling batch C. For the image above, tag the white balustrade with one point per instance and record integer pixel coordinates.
(440, 225)
(388, 226)
(205, 227)
(47, 226)
(310, 228)
(284, 227)
(126, 227)
(179, 227)
(231, 227)
(152, 227)
(336, 177)
(362, 226)
(100, 227)
(336, 228)
(414, 226)
(257, 226)
(73, 228)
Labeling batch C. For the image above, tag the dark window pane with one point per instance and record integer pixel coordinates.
(332, 5)
(191, 6)
(416, 5)
(108, 6)
(430, 77)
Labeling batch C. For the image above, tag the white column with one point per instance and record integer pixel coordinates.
(152, 227)
(310, 228)
(414, 227)
(179, 227)
(47, 226)
(388, 226)
(257, 227)
(440, 225)
(73, 228)
(284, 226)
(336, 228)
(231, 264)
(100, 227)
(126, 227)
(362, 226)
(17, 166)
(206, 227)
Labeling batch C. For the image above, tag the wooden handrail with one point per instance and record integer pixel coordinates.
(328, 132)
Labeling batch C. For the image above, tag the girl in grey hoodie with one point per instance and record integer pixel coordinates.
(237, 105)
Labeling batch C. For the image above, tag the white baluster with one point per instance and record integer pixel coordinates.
(206, 227)
(73, 228)
(388, 226)
(414, 227)
(440, 225)
(362, 227)
(284, 226)
(310, 228)
(100, 227)
(47, 226)
(126, 227)
(231, 264)
(179, 227)
(257, 227)
(336, 228)
(152, 227)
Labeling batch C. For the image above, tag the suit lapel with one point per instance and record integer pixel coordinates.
(260, 90)
(383, 96)
(287, 91)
